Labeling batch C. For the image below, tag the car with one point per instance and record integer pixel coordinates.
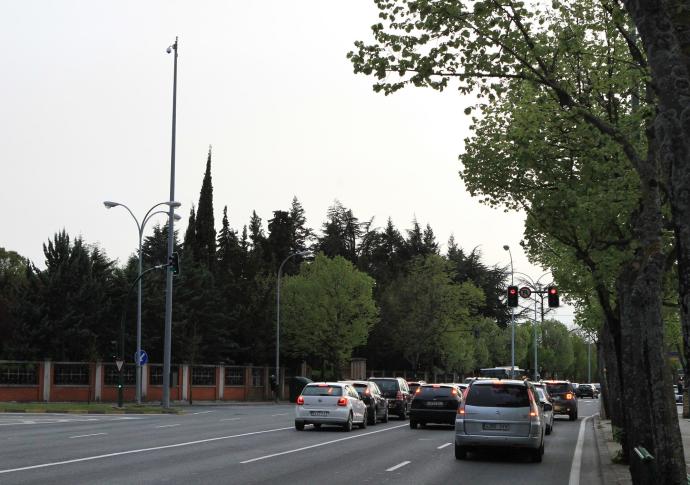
(547, 407)
(563, 398)
(333, 403)
(587, 390)
(413, 385)
(398, 394)
(377, 405)
(500, 413)
(678, 395)
(435, 403)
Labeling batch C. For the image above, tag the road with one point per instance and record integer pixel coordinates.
(258, 444)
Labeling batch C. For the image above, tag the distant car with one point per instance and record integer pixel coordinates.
(500, 413)
(563, 397)
(678, 395)
(413, 385)
(377, 405)
(547, 407)
(587, 390)
(396, 391)
(435, 403)
(542, 385)
(334, 403)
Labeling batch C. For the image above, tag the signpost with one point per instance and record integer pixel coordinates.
(142, 357)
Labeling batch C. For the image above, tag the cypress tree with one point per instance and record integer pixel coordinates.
(190, 245)
(301, 234)
(205, 224)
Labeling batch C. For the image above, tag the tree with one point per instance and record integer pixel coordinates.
(341, 233)
(205, 223)
(13, 268)
(328, 310)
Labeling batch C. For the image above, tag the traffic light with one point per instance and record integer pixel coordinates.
(174, 263)
(114, 351)
(513, 296)
(553, 296)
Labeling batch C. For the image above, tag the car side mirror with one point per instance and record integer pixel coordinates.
(548, 406)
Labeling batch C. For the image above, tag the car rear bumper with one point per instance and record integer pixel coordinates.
(338, 415)
(532, 442)
(444, 416)
(564, 407)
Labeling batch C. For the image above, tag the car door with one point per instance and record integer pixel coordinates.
(358, 406)
(381, 402)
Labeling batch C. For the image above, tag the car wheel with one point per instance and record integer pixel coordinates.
(403, 414)
(371, 418)
(538, 454)
(548, 429)
(365, 419)
(299, 425)
(347, 427)
(573, 416)
(460, 452)
(385, 417)
(413, 424)
(317, 426)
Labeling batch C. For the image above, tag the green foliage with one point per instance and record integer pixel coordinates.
(327, 311)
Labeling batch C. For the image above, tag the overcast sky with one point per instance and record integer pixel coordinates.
(86, 90)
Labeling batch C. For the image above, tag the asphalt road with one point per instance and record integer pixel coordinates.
(258, 444)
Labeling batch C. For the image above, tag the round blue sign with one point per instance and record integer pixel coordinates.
(142, 358)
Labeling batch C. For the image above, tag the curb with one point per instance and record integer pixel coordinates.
(606, 466)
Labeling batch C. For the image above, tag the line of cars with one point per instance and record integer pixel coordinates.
(486, 413)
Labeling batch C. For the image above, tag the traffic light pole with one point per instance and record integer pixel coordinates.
(121, 370)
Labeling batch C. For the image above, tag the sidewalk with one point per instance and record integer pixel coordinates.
(614, 473)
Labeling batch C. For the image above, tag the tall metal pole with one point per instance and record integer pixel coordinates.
(138, 355)
(512, 317)
(536, 362)
(589, 361)
(167, 344)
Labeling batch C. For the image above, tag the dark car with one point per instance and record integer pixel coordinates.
(563, 397)
(395, 390)
(435, 403)
(413, 385)
(587, 390)
(377, 405)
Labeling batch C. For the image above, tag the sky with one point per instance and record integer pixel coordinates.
(86, 96)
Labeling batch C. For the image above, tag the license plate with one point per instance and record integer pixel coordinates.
(318, 413)
(435, 403)
(496, 426)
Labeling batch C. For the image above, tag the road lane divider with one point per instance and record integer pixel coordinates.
(443, 446)
(231, 419)
(577, 456)
(168, 425)
(86, 435)
(201, 412)
(281, 414)
(399, 465)
(296, 450)
(141, 450)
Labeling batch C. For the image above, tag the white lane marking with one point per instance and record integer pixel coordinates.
(577, 456)
(320, 444)
(281, 414)
(230, 419)
(142, 450)
(168, 425)
(443, 446)
(399, 465)
(203, 412)
(85, 435)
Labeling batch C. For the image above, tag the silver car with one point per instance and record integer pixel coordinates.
(500, 413)
(330, 403)
(547, 408)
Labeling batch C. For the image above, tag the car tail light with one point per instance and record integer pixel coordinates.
(461, 409)
(453, 392)
(366, 391)
(569, 396)
(342, 402)
(398, 395)
(300, 400)
(419, 389)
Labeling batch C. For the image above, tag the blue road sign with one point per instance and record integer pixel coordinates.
(143, 357)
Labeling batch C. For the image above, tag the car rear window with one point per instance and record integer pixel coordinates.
(432, 392)
(387, 384)
(559, 388)
(322, 391)
(498, 395)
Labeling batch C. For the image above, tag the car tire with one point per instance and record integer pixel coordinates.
(299, 425)
(572, 416)
(317, 426)
(365, 420)
(460, 452)
(385, 416)
(413, 424)
(538, 454)
(347, 427)
(403, 414)
(371, 418)
(548, 429)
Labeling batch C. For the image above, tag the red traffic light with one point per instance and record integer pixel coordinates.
(512, 296)
(512, 290)
(553, 297)
(553, 291)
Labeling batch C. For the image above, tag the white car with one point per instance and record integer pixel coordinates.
(547, 408)
(335, 403)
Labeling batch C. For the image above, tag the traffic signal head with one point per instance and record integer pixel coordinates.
(513, 296)
(553, 296)
(174, 263)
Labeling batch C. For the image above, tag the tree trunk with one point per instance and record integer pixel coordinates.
(612, 385)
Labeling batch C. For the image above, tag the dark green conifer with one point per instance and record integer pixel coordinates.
(205, 224)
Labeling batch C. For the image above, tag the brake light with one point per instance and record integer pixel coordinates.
(436, 385)
(419, 389)
(342, 402)
(533, 412)
(323, 385)
(569, 396)
(398, 395)
(366, 391)
(453, 392)
(461, 409)
(300, 400)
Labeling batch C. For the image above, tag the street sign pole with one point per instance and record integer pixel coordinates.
(121, 366)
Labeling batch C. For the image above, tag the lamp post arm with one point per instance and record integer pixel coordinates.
(148, 214)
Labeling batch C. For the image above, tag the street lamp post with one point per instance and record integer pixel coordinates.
(512, 317)
(167, 338)
(280, 273)
(140, 229)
